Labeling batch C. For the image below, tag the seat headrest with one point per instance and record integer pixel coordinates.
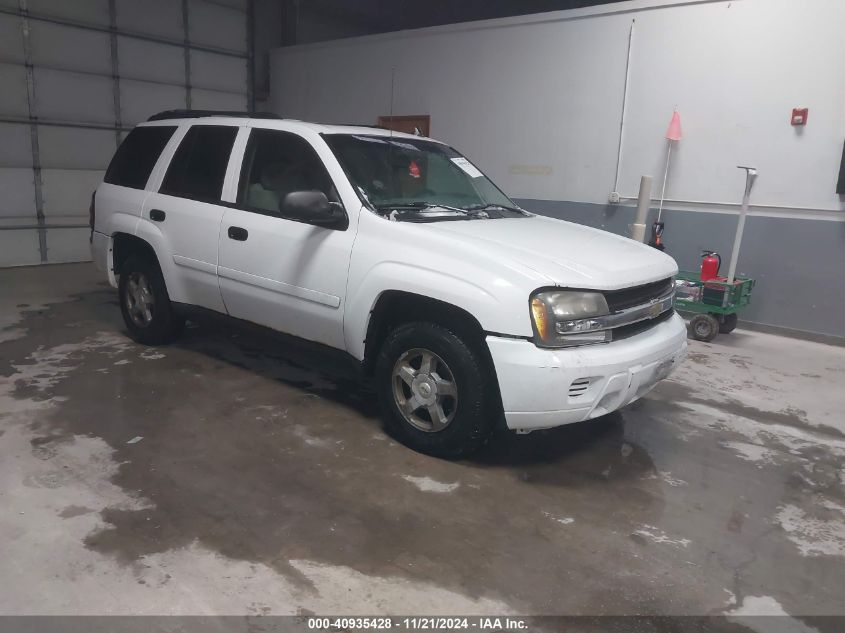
(272, 176)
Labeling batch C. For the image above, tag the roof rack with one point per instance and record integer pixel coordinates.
(196, 114)
(375, 127)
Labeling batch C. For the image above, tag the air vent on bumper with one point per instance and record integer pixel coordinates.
(578, 387)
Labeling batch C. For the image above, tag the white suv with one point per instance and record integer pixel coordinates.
(462, 308)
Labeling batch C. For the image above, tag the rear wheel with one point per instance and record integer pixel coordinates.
(704, 327)
(728, 323)
(145, 304)
(435, 390)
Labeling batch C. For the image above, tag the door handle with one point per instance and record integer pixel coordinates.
(237, 233)
(157, 215)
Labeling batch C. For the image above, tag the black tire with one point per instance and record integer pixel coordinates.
(728, 323)
(476, 401)
(163, 325)
(704, 327)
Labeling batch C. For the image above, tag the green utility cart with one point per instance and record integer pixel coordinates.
(714, 303)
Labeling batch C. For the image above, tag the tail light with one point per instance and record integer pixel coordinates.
(91, 214)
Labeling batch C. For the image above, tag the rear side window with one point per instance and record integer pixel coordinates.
(134, 160)
(199, 165)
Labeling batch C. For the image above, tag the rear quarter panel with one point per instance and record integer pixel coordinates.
(117, 210)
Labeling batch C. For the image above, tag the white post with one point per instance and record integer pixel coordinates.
(750, 177)
(643, 203)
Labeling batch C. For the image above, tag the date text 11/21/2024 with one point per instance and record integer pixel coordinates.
(423, 623)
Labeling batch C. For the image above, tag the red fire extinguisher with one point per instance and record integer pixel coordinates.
(710, 264)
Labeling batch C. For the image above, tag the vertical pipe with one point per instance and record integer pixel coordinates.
(186, 47)
(624, 108)
(750, 177)
(33, 130)
(115, 70)
(643, 203)
(740, 229)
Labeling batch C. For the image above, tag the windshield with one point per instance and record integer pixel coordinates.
(419, 177)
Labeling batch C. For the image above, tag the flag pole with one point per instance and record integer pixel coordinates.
(673, 134)
(665, 177)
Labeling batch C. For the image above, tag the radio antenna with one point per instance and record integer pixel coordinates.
(392, 91)
(390, 127)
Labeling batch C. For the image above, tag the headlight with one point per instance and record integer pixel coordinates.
(564, 318)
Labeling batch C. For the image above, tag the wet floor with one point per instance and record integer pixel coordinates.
(236, 473)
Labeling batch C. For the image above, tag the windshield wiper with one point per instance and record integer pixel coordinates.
(494, 205)
(419, 205)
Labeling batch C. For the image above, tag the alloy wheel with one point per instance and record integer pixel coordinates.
(424, 389)
(140, 301)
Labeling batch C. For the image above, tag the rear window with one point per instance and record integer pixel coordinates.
(134, 160)
(199, 165)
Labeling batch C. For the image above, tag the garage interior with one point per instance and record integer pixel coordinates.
(234, 473)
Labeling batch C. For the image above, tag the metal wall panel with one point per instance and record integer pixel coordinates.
(140, 99)
(11, 43)
(16, 148)
(93, 11)
(218, 72)
(17, 193)
(67, 193)
(17, 183)
(150, 61)
(19, 248)
(67, 96)
(215, 25)
(92, 149)
(155, 17)
(241, 5)
(68, 245)
(77, 79)
(213, 100)
(13, 94)
(58, 46)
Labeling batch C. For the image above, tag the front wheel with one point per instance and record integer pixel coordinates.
(145, 304)
(435, 389)
(704, 327)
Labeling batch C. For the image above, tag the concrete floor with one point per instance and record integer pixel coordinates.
(222, 475)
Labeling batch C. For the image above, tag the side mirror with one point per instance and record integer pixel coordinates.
(312, 207)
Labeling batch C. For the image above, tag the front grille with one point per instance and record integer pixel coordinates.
(629, 297)
(627, 331)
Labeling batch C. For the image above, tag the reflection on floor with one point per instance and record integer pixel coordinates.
(228, 474)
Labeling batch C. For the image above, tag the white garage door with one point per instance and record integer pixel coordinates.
(75, 77)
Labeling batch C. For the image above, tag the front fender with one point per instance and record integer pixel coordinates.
(385, 276)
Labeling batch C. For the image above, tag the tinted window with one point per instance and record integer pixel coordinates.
(277, 163)
(134, 160)
(199, 165)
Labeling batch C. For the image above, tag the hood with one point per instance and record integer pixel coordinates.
(570, 255)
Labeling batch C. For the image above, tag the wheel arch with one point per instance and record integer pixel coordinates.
(394, 307)
(124, 245)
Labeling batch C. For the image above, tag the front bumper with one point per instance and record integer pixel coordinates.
(537, 384)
